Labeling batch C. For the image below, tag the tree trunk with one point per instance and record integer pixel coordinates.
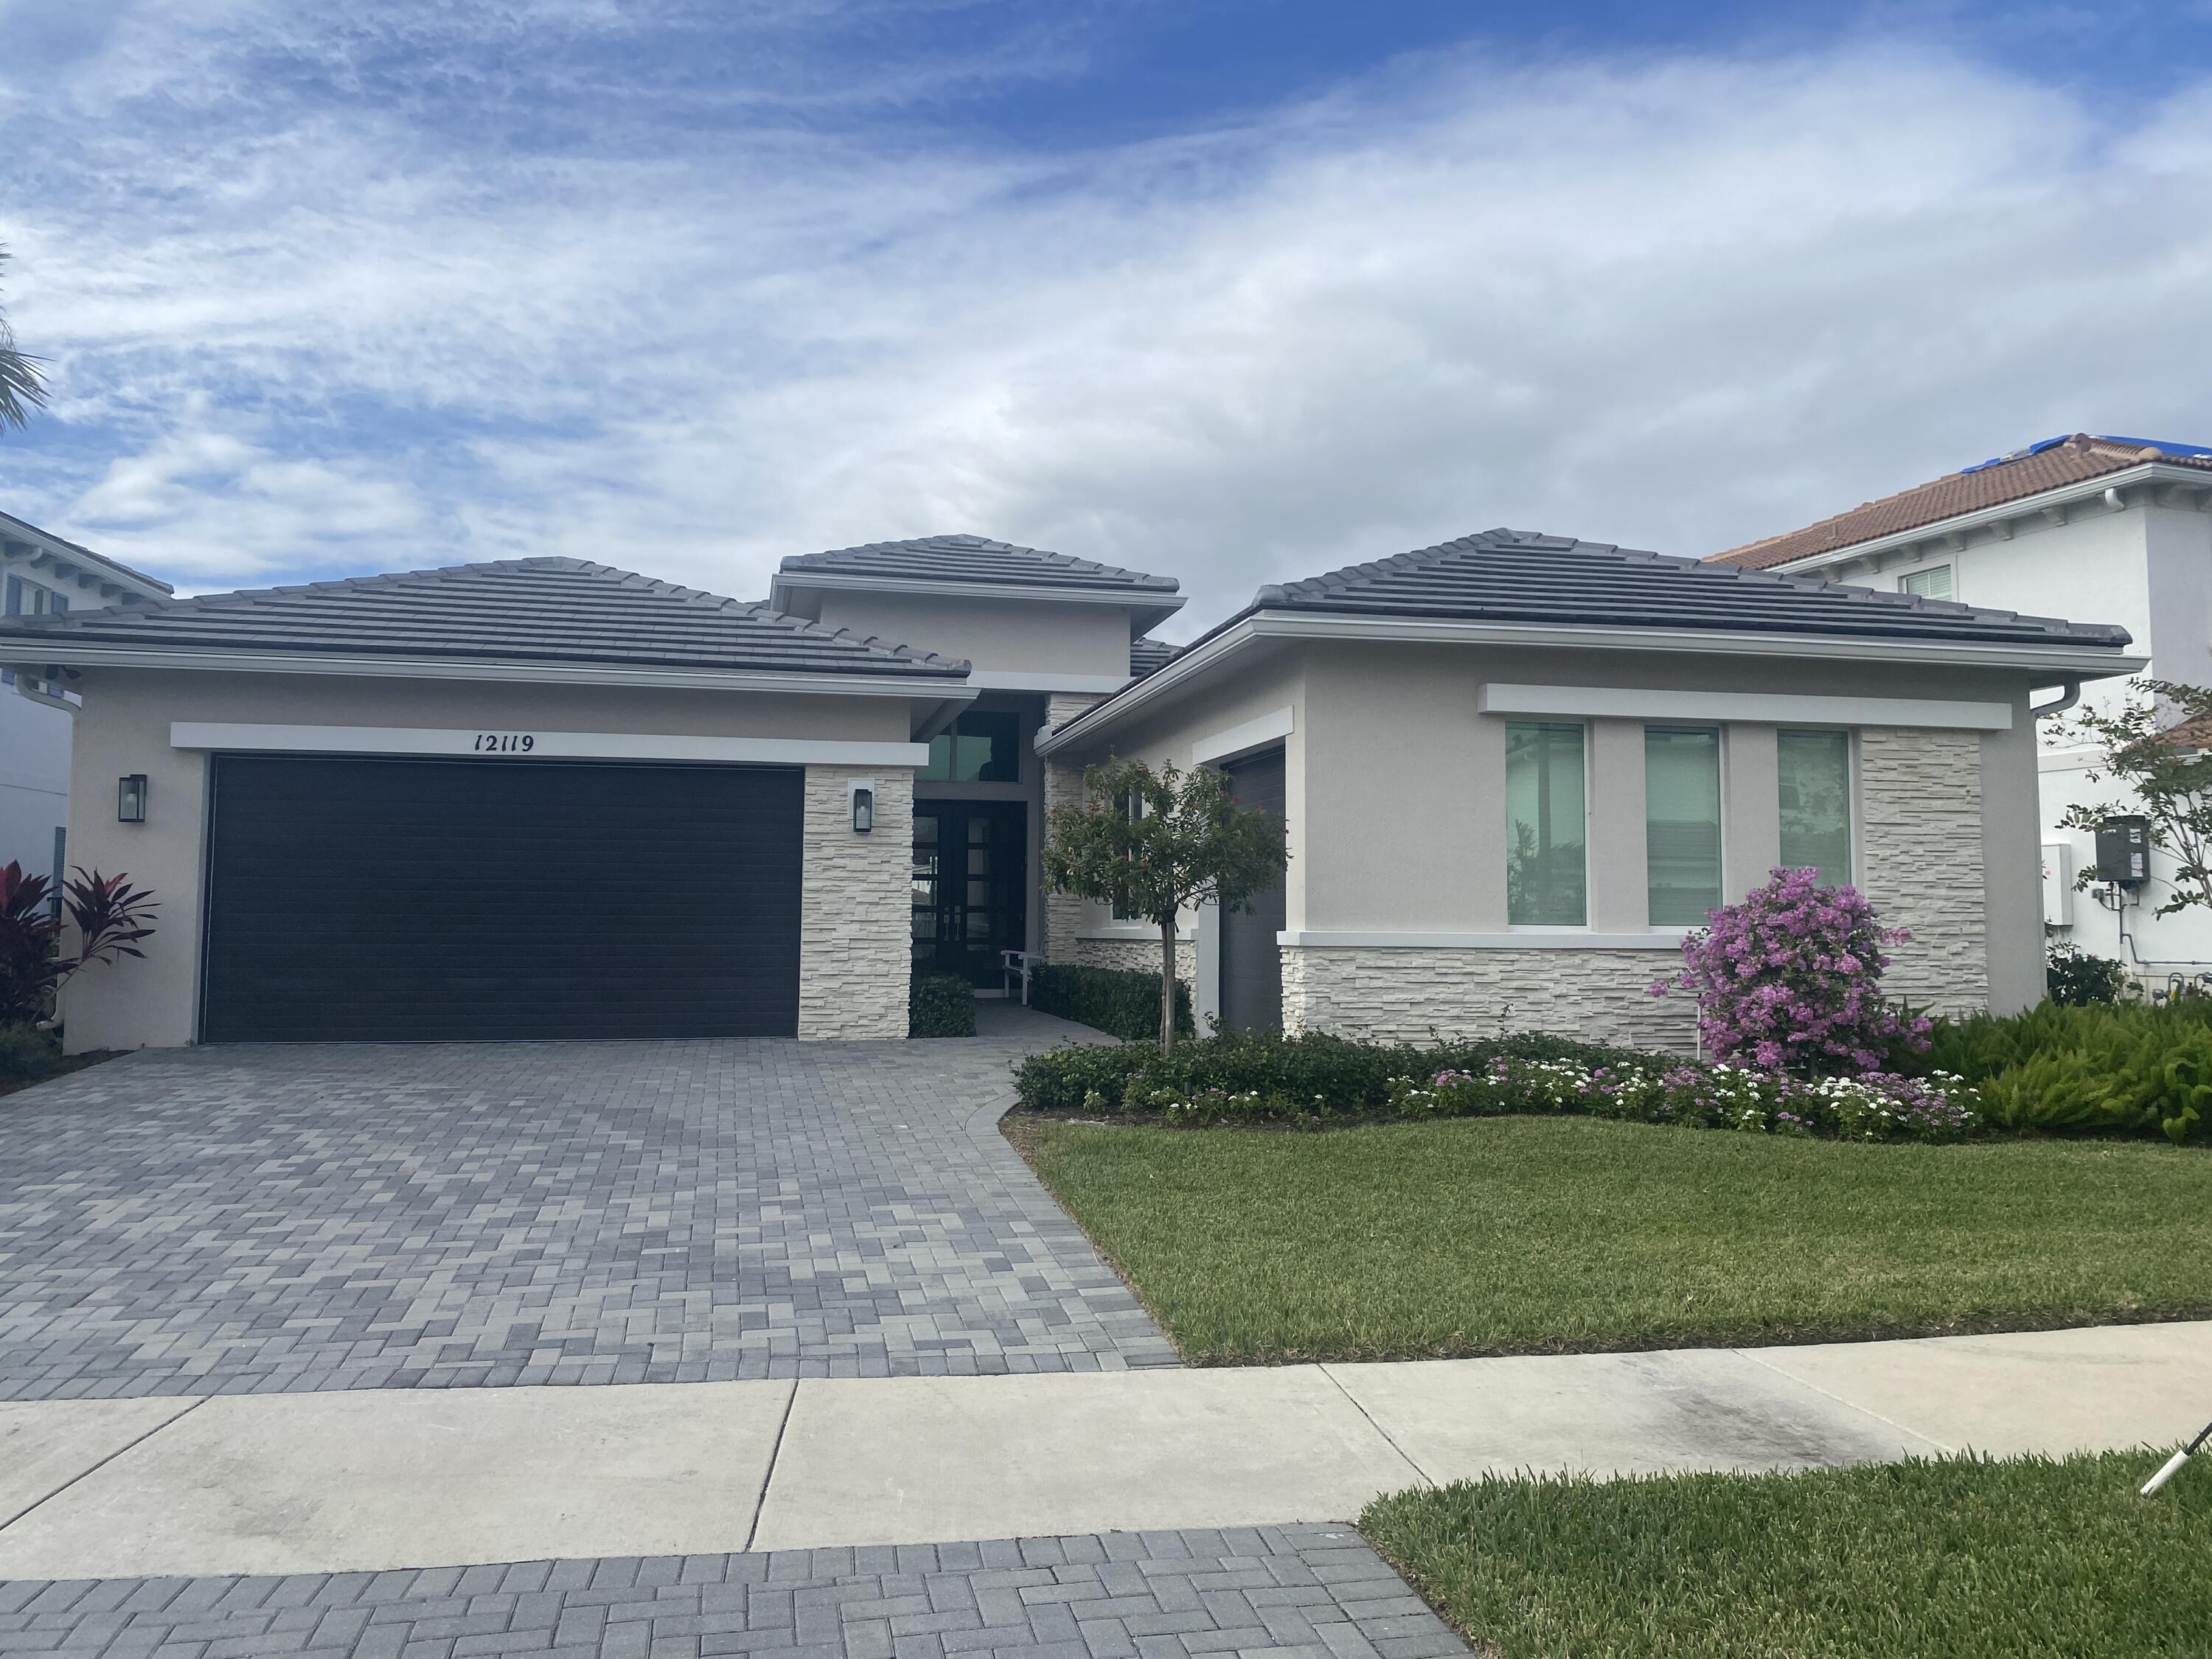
(1167, 985)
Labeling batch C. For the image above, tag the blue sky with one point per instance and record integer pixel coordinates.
(1233, 290)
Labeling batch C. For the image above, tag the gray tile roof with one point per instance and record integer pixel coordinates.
(972, 559)
(533, 611)
(1512, 575)
(1150, 656)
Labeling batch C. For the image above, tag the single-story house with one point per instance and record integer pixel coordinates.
(546, 797)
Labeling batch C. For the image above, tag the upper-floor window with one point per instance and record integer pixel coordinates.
(1933, 583)
(1546, 877)
(27, 599)
(1814, 770)
(1682, 823)
(983, 746)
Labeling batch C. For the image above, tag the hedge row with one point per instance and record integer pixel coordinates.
(1122, 1002)
(940, 1006)
(1337, 1074)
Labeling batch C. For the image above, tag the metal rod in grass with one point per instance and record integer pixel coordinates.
(2175, 1462)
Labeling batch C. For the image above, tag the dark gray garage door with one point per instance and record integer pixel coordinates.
(418, 900)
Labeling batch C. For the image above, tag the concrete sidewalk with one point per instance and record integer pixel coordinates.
(374, 1480)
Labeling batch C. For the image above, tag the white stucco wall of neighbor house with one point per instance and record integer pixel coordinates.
(1396, 921)
(124, 728)
(34, 774)
(2147, 567)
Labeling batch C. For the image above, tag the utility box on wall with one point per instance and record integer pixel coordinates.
(2057, 885)
(2123, 850)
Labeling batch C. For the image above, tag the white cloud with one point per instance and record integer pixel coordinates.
(1679, 303)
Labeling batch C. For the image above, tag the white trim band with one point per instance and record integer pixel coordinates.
(921, 688)
(1769, 709)
(544, 745)
(1269, 728)
(1564, 939)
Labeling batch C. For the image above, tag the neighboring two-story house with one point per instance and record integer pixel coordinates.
(41, 574)
(2118, 530)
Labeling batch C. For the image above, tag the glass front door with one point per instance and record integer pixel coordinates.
(971, 886)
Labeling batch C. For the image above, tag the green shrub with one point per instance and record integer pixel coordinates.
(2134, 1068)
(26, 1055)
(1313, 1072)
(1122, 1002)
(940, 1006)
(2078, 979)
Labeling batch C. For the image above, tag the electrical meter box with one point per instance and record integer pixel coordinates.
(2123, 850)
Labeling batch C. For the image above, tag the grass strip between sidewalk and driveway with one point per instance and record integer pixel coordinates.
(1495, 1236)
(1957, 1558)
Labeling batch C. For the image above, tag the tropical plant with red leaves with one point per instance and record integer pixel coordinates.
(111, 920)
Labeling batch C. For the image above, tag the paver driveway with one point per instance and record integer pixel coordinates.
(230, 1220)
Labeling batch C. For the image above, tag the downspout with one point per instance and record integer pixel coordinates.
(2071, 696)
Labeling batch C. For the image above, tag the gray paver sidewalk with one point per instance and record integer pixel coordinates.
(284, 1220)
(1264, 1593)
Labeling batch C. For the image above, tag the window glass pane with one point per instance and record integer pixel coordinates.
(940, 758)
(1544, 874)
(1815, 769)
(1682, 823)
(1930, 584)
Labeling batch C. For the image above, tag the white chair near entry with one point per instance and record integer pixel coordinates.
(1021, 962)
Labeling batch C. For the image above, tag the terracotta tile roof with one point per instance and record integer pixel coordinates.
(2030, 471)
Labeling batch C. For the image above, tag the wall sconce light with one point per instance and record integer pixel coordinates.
(864, 809)
(130, 798)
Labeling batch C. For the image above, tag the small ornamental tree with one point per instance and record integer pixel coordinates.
(1152, 844)
(2158, 747)
(1790, 980)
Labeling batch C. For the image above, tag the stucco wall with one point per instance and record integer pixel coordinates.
(1406, 995)
(34, 772)
(856, 908)
(1018, 635)
(1398, 828)
(124, 728)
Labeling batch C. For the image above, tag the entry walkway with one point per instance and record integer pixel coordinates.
(375, 1481)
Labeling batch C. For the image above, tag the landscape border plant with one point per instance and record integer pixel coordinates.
(111, 917)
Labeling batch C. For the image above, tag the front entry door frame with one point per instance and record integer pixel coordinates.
(971, 886)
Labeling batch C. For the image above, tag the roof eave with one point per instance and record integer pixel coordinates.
(2059, 662)
(40, 650)
(101, 569)
(2018, 506)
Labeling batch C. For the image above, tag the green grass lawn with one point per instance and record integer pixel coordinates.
(1954, 1559)
(1550, 1235)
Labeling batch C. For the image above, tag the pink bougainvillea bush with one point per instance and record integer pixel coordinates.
(1790, 980)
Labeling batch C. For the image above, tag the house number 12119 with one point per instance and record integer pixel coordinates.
(504, 743)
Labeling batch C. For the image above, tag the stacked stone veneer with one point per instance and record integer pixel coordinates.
(1402, 995)
(1141, 954)
(1064, 914)
(1920, 838)
(856, 923)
